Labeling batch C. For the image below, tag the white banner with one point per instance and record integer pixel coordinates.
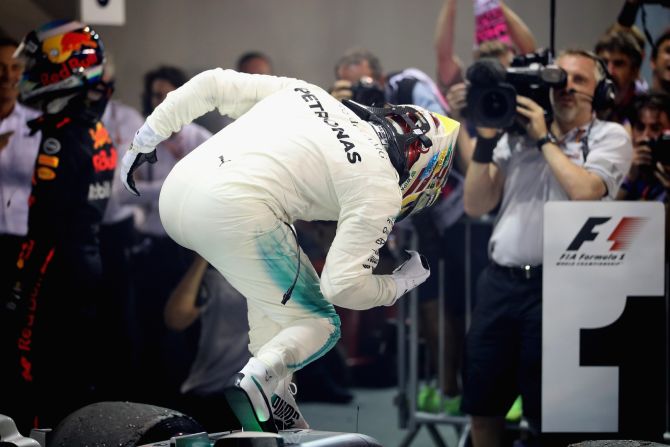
(103, 12)
(597, 255)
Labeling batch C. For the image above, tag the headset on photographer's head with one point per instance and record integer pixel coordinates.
(605, 91)
(603, 95)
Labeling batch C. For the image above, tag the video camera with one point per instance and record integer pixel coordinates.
(492, 90)
(368, 92)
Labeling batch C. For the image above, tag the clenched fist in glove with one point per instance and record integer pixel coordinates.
(410, 274)
(141, 150)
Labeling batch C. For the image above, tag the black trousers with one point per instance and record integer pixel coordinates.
(165, 356)
(50, 342)
(503, 353)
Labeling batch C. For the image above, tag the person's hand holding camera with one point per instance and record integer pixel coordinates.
(642, 159)
(456, 98)
(660, 160)
(536, 126)
(341, 90)
(662, 174)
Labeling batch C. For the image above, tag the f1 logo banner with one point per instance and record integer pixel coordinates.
(604, 318)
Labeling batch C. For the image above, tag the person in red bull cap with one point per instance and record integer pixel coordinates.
(48, 317)
(293, 152)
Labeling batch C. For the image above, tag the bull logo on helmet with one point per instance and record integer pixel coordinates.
(60, 47)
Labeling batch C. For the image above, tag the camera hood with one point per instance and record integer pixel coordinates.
(550, 75)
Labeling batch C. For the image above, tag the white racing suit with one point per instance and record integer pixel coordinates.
(294, 152)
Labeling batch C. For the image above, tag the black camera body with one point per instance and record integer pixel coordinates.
(368, 92)
(660, 149)
(492, 90)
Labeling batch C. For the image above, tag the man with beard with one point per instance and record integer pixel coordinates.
(574, 157)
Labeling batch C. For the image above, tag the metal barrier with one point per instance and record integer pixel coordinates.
(409, 351)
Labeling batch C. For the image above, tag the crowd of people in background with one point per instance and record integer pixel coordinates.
(167, 329)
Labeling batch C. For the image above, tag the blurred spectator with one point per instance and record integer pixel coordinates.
(159, 262)
(449, 67)
(204, 294)
(18, 151)
(625, 24)
(52, 365)
(623, 58)
(641, 84)
(577, 157)
(409, 86)
(357, 63)
(254, 62)
(117, 238)
(660, 64)
(649, 175)
(450, 70)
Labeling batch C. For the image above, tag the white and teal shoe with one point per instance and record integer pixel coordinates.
(284, 407)
(247, 396)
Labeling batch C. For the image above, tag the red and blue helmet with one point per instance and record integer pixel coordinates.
(61, 58)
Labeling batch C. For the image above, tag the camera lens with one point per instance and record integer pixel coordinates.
(494, 105)
(368, 92)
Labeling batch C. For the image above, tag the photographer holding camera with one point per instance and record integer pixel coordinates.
(573, 156)
(623, 57)
(649, 175)
(360, 78)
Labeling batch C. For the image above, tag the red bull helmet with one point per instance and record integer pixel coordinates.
(61, 57)
(420, 145)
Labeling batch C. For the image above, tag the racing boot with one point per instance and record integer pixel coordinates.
(248, 396)
(284, 408)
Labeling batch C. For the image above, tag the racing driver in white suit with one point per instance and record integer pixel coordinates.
(293, 152)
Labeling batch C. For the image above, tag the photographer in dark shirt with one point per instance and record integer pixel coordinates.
(649, 175)
(574, 157)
